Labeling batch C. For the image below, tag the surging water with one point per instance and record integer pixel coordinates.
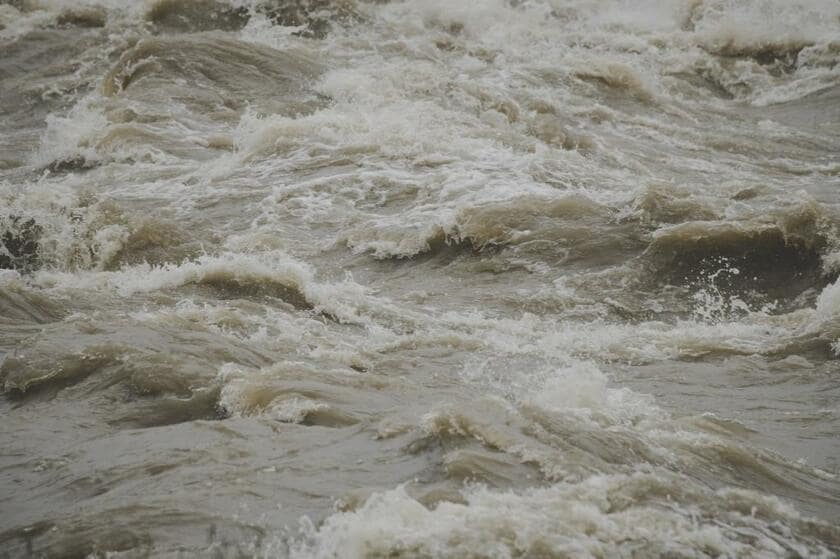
(500, 278)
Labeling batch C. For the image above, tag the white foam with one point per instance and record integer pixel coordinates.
(275, 267)
(755, 24)
(74, 135)
(16, 24)
(598, 517)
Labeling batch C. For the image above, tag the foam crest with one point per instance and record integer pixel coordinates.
(73, 136)
(14, 23)
(578, 387)
(828, 304)
(274, 273)
(50, 225)
(238, 268)
(603, 515)
(769, 27)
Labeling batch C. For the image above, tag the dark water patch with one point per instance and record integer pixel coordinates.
(19, 243)
(777, 58)
(760, 259)
(197, 15)
(315, 17)
(71, 165)
(83, 16)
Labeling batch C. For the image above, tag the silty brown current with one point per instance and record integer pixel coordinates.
(503, 278)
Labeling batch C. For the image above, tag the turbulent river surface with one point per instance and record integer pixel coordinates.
(431, 278)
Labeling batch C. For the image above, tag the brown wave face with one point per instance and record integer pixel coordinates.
(83, 361)
(324, 278)
(230, 66)
(670, 243)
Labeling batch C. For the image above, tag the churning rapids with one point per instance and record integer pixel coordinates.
(420, 278)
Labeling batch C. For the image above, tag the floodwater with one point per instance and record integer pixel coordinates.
(431, 278)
